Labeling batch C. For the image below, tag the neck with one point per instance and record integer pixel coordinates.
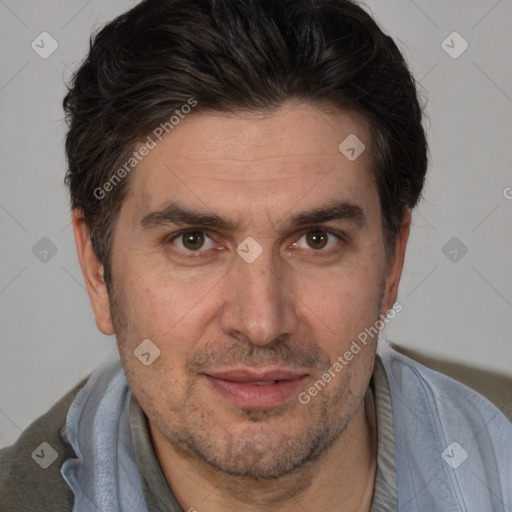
(343, 474)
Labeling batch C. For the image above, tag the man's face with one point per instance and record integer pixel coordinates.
(240, 336)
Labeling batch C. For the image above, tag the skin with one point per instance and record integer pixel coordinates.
(299, 304)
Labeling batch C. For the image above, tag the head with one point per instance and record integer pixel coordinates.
(219, 212)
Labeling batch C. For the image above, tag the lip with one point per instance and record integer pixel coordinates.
(240, 385)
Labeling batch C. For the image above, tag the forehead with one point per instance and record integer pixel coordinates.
(265, 160)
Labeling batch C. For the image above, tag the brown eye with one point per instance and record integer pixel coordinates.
(192, 241)
(317, 239)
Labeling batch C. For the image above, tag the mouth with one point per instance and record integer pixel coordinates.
(256, 388)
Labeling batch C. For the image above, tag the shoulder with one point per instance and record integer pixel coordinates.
(30, 477)
(447, 437)
(448, 398)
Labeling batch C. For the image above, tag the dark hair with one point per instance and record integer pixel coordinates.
(237, 55)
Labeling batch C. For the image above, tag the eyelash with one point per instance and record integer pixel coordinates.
(316, 253)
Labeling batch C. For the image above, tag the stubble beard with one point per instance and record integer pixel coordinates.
(264, 446)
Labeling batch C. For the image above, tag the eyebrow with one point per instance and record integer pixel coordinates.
(176, 214)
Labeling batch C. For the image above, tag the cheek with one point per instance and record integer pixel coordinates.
(172, 314)
(155, 310)
(341, 304)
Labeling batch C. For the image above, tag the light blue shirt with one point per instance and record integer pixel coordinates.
(452, 448)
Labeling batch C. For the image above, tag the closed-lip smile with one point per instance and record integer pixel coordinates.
(256, 388)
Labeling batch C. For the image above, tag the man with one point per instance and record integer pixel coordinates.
(242, 175)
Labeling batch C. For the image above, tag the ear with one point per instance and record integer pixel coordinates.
(395, 264)
(92, 270)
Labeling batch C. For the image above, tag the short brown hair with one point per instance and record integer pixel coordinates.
(237, 55)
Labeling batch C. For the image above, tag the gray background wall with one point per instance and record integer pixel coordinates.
(457, 285)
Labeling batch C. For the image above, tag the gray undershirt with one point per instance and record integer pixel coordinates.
(159, 497)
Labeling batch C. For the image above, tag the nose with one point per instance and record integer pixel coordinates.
(259, 303)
